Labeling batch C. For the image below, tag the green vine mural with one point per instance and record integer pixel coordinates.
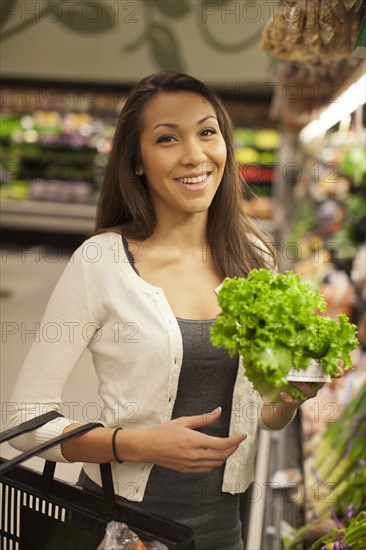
(157, 34)
(164, 46)
(59, 13)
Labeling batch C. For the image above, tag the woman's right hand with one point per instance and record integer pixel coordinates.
(177, 445)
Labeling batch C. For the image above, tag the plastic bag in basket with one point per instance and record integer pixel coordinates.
(118, 536)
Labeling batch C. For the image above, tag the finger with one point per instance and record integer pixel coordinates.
(207, 459)
(205, 468)
(211, 458)
(340, 372)
(219, 443)
(200, 420)
(214, 455)
(308, 389)
(289, 400)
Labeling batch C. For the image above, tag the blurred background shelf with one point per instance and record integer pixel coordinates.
(47, 216)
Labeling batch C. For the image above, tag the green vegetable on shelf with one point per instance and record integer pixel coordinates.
(243, 136)
(9, 124)
(335, 477)
(16, 190)
(247, 155)
(273, 322)
(353, 164)
(267, 139)
(268, 157)
(350, 537)
(338, 465)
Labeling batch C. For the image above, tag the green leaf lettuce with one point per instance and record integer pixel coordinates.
(275, 323)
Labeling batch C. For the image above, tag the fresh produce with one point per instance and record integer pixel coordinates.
(338, 466)
(267, 139)
(274, 322)
(335, 481)
(353, 164)
(350, 537)
(247, 155)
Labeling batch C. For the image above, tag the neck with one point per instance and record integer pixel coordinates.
(183, 233)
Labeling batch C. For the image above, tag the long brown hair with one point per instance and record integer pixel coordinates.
(124, 203)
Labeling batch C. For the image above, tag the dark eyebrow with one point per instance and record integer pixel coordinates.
(172, 125)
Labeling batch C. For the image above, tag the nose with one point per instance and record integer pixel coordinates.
(193, 153)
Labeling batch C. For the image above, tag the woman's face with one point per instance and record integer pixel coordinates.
(183, 152)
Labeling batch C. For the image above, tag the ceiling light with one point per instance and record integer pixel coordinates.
(340, 108)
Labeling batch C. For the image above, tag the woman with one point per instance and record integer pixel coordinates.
(140, 294)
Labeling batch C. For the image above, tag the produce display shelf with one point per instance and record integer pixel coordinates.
(61, 217)
(47, 216)
(256, 173)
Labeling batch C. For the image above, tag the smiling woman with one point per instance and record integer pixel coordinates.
(170, 227)
(166, 117)
(183, 160)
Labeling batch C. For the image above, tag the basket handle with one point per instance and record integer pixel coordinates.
(107, 484)
(49, 467)
(29, 425)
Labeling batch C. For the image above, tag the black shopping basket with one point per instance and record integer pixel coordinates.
(39, 512)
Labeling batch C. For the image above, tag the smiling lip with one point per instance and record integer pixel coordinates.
(194, 183)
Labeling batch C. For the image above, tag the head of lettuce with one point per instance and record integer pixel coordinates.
(274, 322)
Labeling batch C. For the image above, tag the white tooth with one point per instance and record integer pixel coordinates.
(198, 179)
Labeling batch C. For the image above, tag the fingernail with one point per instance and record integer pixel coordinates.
(219, 409)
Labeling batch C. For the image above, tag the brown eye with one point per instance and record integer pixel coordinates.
(165, 139)
(208, 132)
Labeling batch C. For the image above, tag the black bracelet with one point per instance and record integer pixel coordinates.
(114, 445)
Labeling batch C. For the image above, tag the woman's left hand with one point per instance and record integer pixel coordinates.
(310, 390)
(277, 415)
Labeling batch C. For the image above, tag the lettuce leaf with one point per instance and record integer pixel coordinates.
(275, 322)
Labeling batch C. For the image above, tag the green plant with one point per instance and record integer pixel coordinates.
(273, 322)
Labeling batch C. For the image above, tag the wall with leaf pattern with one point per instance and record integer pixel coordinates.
(123, 40)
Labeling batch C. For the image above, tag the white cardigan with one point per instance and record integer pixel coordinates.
(101, 303)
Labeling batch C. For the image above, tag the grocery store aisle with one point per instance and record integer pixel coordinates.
(28, 277)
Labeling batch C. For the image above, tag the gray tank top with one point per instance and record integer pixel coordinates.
(206, 381)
